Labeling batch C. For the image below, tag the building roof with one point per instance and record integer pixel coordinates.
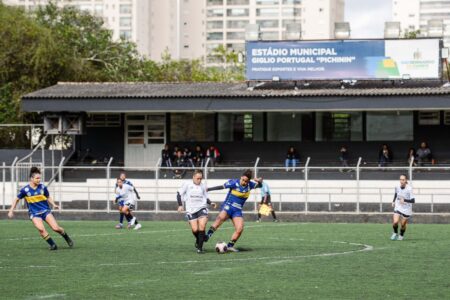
(263, 96)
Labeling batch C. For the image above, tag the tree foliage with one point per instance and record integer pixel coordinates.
(53, 44)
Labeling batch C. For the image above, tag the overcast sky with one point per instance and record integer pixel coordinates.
(367, 17)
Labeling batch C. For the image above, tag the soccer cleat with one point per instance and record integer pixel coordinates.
(276, 220)
(232, 249)
(133, 221)
(53, 247)
(137, 227)
(119, 226)
(69, 242)
(394, 237)
(400, 238)
(206, 238)
(258, 220)
(200, 251)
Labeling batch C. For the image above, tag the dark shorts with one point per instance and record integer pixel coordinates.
(268, 201)
(42, 214)
(197, 215)
(129, 205)
(402, 214)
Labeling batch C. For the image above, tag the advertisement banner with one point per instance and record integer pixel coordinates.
(347, 59)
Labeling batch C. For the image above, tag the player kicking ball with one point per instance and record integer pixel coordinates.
(38, 198)
(125, 193)
(196, 198)
(238, 193)
(402, 203)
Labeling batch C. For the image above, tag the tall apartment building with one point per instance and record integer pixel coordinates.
(226, 19)
(192, 28)
(414, 15)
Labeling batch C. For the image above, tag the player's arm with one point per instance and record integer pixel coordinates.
(216, 188)
(180, 203)
(52, 202)
(208, 201)
(412, 200)
(393, 201)
(258, 182)
(13, 206)
(137, 194)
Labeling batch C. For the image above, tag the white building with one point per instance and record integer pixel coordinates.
(415, 14)
(226, 19)
(192, 28)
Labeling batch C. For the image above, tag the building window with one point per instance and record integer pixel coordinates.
(292, 1)
(214, 36)
(284, 127)
(429, 117)
(236, 47)
(238, 2)
(103, 120)
(125, 34)
(267, 12)
(211, 13)
(291, 12)
(214, 2)
(267, 2)
(125, 8)
(125, 21)
(269, 35)
(268, 23)
(240, 35)
(237, 24)
(240, 127)
(389, 126)
(339, 126)
(194, 127)
(214, 25)
(237, 12)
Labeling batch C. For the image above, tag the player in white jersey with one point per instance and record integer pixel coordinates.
(125, 194)
(402, 203)
(194, 194)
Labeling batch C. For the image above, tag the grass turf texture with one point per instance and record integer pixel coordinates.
(282, 261)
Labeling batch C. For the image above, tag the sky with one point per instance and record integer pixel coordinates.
(367, 17)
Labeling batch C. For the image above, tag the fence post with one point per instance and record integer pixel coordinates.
(53, 156)
(158, 164)
(43, 160)
(255, 170)
(432, 203)
(357, 184)
(13, 192)
(205, 169)
(60, 181)
(108, 177)
(3, 184)
(411, 169)
(306, 184)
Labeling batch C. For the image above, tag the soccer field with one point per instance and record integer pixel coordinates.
(278, 261)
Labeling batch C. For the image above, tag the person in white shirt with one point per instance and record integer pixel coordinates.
(402, 203)
(125, 194)
(194, 194)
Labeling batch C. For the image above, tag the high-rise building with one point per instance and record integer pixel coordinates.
(193, 28)
(414, 15)
(226, 20)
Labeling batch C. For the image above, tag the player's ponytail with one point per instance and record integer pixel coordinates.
(34, 171)
(248, 174)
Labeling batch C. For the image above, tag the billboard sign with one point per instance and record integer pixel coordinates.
(343, 59)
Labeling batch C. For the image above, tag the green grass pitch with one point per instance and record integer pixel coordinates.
(279, 261)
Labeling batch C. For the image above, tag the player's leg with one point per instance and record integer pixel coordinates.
(51, 221)
(403, 223)
(121, 216)
(274, 216)
(221, 218)
(194, 228)
(39, 224)
(238, 223)
(395, 220)
(202, 221)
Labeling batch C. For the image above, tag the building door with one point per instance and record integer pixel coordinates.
(144, 139)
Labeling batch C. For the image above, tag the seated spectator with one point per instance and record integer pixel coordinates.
(179, 164)
(214, 156)
(411, 157)
(343, 157)
(292, 159)
(384, 156)
(166, 160)
(423, 154)
(188, 157)
(198, 157)
(174, 152)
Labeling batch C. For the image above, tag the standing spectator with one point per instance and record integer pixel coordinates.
(214, 156)
(423, 154)
(179, 165)
(411, 157)
(198, 156)
(166, 160)
(292, 159)
(384, 156)
(343, 157)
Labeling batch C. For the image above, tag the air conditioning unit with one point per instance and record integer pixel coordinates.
(73, 124)
(53, 124)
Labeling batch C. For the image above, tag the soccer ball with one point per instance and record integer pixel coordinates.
(221, 247)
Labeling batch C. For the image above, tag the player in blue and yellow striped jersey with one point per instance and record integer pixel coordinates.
(38, 198)
(239, 191)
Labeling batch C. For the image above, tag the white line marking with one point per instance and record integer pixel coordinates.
(218, 270)
(48, 296)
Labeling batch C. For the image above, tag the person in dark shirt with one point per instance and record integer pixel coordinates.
(292, 159)
(198, 156)
(166, 160)
(179, 164)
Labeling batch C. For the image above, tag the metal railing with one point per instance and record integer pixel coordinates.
(91, 187)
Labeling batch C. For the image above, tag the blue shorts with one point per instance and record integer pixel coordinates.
(40, 214)
(231, 210)
(121, 203)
